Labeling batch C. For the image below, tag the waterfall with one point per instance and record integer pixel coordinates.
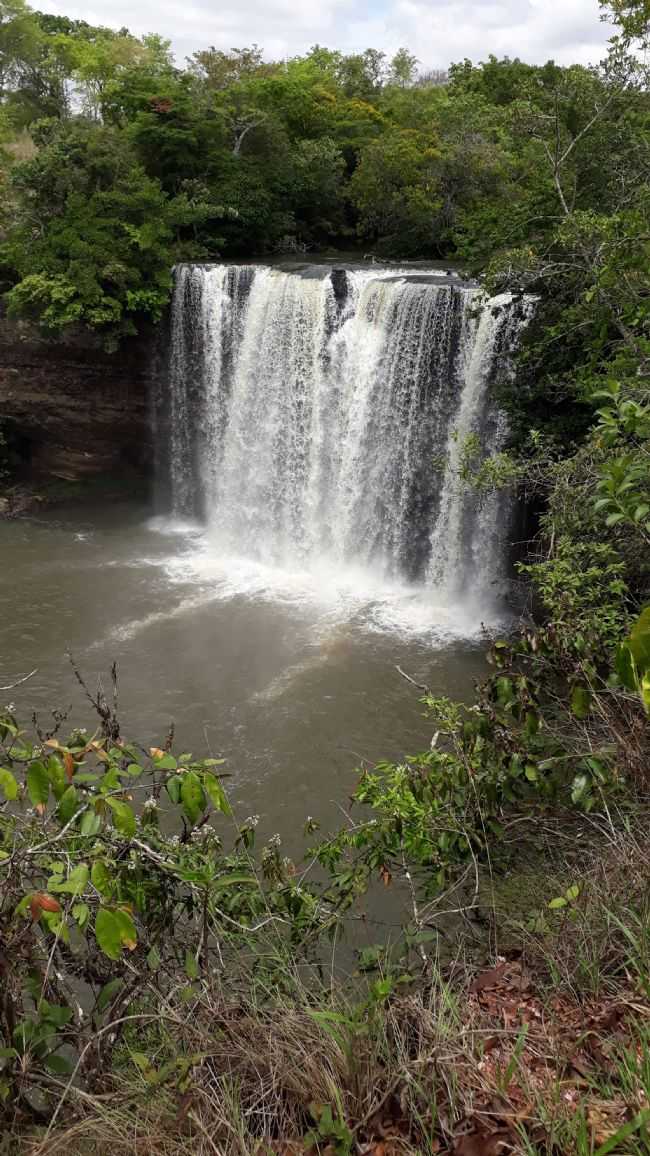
(318, 417)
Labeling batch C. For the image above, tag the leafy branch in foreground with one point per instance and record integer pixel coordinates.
(114, 879)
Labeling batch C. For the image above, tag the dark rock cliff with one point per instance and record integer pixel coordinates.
(71, 410)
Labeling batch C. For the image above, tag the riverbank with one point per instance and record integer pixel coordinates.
(545, 1048)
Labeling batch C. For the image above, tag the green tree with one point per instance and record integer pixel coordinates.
(93, 234)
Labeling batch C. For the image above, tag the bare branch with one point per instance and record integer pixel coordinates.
(20, 681)
(417, 685)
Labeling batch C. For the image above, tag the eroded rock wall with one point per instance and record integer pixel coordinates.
(73, 409)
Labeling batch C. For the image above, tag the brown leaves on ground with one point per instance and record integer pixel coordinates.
(484, 1144)
(533, 1046)
(521, 1053)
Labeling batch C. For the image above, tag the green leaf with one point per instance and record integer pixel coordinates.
(91, 823)
(558, 903)
(108, 933)
(60, 1065)
(56, 924)
(81, 913)
(108, 993)
(580, 701)
(38, 784)
(134, 769)
(173, 788)
(532, 723)
(504, 689)
(235, 880)
(128, 933)
(8, 784)
(572, 892)
(53, 1013)
(57, 776)
(100, 877)
(192, 796)
(166, 763)
(531, 773)
(123, 817)
(633, 659)
(68, 805)
(76, 882)
(153, 959)
(216, 794)
(626, 667)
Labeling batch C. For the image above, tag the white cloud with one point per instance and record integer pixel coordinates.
(436, 31)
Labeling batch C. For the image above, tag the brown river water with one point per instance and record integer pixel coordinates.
(290, 676)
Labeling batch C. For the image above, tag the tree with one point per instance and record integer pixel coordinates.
(397, 191)
(403, 68)
(93, 234)
(219, 70)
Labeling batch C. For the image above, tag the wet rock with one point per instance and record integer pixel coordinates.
(72, 409)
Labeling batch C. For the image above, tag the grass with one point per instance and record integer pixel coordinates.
(546, 1051)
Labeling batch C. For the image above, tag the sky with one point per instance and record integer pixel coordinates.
(437, 32)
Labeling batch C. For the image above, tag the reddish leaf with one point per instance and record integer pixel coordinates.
(69, 765)
(41, 902)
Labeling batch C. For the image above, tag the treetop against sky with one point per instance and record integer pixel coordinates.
(437, 31)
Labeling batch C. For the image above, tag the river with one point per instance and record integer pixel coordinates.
(290, 676)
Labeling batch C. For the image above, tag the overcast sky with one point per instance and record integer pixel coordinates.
(436, 31)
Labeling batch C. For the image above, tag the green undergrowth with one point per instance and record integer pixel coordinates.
(522, 1051)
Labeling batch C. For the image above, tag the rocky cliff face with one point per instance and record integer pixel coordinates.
(70, 409)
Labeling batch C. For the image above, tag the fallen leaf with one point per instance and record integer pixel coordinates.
(488, 979)
(482, 1144)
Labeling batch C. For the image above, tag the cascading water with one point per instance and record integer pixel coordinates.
(319, 417)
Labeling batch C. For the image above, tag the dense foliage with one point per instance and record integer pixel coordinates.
(118, 161)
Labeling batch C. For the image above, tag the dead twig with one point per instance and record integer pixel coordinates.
(418, 685)
(13, 685)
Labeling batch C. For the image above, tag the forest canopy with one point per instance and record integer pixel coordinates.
(117, 162)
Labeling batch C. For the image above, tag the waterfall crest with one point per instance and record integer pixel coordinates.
(318, 417)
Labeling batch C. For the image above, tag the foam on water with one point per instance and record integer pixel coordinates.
(328, 594)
